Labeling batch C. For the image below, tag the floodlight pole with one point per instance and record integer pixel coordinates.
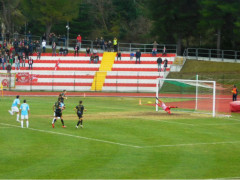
(67, 26)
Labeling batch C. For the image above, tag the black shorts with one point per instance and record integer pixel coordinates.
(58, 114)
(79, 115)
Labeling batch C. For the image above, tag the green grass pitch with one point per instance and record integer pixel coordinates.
(120, 140)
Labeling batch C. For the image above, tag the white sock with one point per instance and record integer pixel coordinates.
(22, 123)
(27, 123)
(53, 120)
(17, 117)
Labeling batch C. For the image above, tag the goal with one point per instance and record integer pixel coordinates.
(189, 95)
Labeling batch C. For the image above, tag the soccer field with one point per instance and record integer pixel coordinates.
(120, 140)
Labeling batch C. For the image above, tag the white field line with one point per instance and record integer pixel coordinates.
(75, 136)
(192, 144)
(233, 119)
(218, 124)
(127, 145)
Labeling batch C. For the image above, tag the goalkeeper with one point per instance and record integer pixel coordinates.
(164, 107)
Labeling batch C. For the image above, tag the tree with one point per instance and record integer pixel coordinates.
(50, 12)
(11, 16)
(173, 20)
(219, 15)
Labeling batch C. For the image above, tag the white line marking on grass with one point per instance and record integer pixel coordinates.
(193, 144)
(80, 137)
(233, 119)
(218, 124)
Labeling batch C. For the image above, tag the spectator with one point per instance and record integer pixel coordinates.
(31, 48)
(155, 44)
(105, 46)
(34, 46)
(44, 37)
(102, 43)
(30, 63)
(95, 51)
(119, 55)
(96, 43)
(234, 93)
(154, 52)
(79, 41)
(39, 51)
(4, 46)
(23, 60)
(15, 45)
(88, 51)
(159, 62)
(76, 49)
(54, 48)
(26, 51)
(109, 46)
(11, 59)
(37, 44)
(91, 59)
(9, 68)
(115, 44)
(131, 55)
(1, 62)
(96, 59)
(29, 36)
(65, 51)
(61, 51)
(44, 46)
(17, 63)
(138, 56)
(164, 51)
(165, 64)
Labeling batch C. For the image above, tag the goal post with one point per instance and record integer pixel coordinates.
(188, 95)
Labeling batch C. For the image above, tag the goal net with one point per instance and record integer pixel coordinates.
(187, 95)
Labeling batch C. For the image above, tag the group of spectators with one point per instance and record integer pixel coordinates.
(18, 52)
(105, 45)
(155, 50)
(60, 40)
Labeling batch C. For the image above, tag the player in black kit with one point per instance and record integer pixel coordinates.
(79, 110)
(57, 108)
(62, 96)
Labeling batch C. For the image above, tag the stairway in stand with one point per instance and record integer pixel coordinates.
(106, 65)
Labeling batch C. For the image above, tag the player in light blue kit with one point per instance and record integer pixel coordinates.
(25, 110)
(14, 108)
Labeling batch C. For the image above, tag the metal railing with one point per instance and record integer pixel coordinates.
(70, 43)
(212, 54)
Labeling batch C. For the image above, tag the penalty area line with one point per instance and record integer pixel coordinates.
(75, 136)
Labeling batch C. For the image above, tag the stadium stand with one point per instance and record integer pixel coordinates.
(77, 74)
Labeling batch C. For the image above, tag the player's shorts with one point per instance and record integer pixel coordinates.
(24, 117)
(58, 114)
(168, 110)
(79, 115)
(15, 109)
